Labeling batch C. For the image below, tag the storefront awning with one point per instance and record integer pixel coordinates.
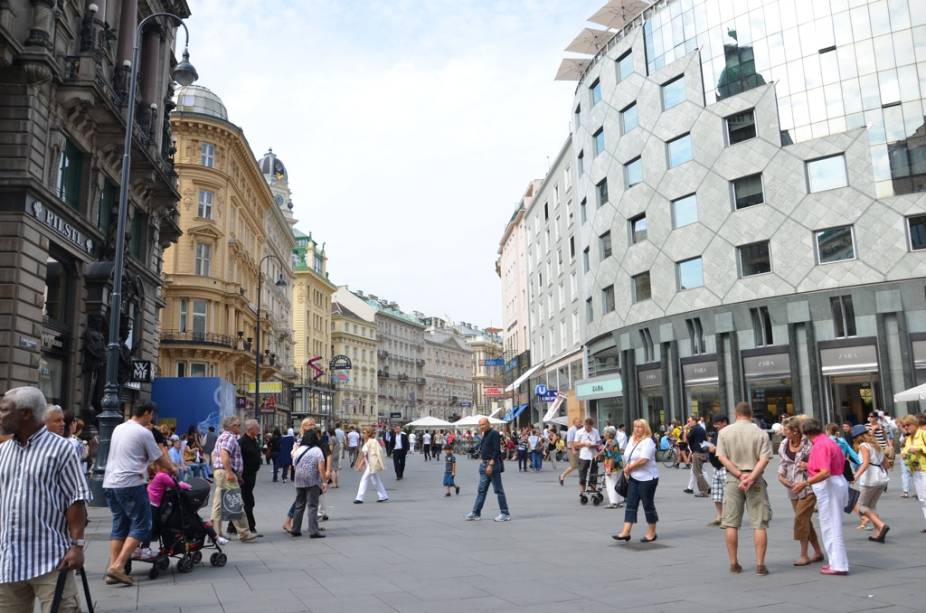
(517, 382)
(609, 386)
(554, 408)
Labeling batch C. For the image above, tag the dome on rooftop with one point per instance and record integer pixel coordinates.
(272, 167)
(199, 99)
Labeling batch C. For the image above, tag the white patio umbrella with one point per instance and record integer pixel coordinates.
(428, 422)
(617, 13)
(914, 394)
(590, 41)
(571, 69)
(473, 420)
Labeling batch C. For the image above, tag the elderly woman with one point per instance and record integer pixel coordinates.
(642, 475)
(871, 476)
(914, 454)
(371, 463)
(825, 466)
(612, 466)
(794, 453)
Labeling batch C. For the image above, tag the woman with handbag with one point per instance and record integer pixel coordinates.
(371, 463)
(871, 477)
(640, 478)
(914, 454)
(794, 453)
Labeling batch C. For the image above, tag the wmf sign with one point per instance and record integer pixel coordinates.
(142, 371)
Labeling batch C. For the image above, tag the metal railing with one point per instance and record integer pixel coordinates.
(198, 338)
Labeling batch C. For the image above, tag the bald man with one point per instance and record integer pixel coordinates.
(490, 471)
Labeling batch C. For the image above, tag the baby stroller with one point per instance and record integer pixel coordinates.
(183, 534)
(593, 488)
(473, 452)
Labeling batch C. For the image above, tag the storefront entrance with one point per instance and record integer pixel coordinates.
(702, 389)
(652, 404)
(768, 385)
(852, 381)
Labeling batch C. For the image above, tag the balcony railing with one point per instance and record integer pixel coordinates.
(420, 381)
(198, 338)
(382, 374)
(382, 353)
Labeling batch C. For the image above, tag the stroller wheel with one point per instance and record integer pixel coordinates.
(185, 564)
(596, 499)
(163, 563)
(218, 559)
(197, 557)
(583, 499)
(128, 567)
(155, 572)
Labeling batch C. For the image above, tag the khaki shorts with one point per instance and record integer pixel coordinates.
(754, 502)
(868, 497)
(573, 460)
(20, 597)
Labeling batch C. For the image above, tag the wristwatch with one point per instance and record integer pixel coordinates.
(79, 543)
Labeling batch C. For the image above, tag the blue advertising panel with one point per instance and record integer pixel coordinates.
(193, 401)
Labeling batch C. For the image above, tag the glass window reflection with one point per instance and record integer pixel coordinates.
(690, 274)
(679, 150)
(827, 173)
(684, 211)
(835, 244)
(673, 92)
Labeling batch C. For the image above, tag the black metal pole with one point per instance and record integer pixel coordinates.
(260, 278)
(111, 416)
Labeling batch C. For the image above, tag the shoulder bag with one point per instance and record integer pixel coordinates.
(623, 484)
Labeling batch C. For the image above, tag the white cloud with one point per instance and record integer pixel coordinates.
(409, 128)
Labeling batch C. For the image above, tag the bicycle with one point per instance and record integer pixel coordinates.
(668, 457)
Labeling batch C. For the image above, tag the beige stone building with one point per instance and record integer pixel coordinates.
(232, 232)
(311, 326)
(447, 370)
(353, 334)
(486, 347)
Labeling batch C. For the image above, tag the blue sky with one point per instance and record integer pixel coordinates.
(409, 128)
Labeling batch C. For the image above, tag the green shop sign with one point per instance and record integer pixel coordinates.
(604, 387)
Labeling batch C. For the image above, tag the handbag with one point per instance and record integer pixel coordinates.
(623, 484)
(59, 590)
(232, 504)
(853, 500)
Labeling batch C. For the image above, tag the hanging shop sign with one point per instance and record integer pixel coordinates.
(849, 360)
(650, 378)
(492, 391)
(701, 373)
(142, 371)
(49, 218)
(340, 362)
(495, 362)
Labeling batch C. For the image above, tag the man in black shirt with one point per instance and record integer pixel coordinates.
(399, 449)
(720, 473)
(490, 471)
(251, 456)
(697, 436)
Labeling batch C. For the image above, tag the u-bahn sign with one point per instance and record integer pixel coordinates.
(340, 362)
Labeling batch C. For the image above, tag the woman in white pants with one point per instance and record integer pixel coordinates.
(825, 467)
(612, 467)
(914, 455)
(371, 463)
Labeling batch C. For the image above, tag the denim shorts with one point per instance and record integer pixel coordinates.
(131, 512)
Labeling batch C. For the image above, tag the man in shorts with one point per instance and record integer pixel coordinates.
(720, 473)
(745, 450)
(570, 450)
(586, 443)
(131, 450)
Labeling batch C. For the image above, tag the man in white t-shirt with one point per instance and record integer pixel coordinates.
(570, 450)
(131, 450)
(586, 443)
(622, 437)
(412, 440)
(353, 445)
(426, 445)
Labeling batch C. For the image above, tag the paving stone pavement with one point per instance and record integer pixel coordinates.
(415, 553)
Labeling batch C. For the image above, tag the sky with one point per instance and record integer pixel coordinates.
(409, 128)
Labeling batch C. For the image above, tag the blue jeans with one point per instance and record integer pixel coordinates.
(131, 511)
(536, 460)
(637, 492)
(496, 481)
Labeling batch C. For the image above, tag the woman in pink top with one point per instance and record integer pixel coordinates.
(825, 467)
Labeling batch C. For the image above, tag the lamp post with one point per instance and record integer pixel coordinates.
(111, 416)
(280, 282)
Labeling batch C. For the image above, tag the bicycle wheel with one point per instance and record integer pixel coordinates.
(670, 458)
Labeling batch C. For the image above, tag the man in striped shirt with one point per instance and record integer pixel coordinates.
(227, 465)
(42, 503)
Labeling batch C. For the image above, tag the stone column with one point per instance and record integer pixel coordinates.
(128, 21)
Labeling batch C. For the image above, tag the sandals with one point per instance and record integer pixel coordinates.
(881, 535)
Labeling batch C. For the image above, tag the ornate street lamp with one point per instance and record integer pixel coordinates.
(280, 282)
(184, 74)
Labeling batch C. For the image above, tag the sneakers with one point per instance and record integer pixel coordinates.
(221, 540)
(471, 517)
(143, 553)
(503, 517)
(458, 489)
(447, 495)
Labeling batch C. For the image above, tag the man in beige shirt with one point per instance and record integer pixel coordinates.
(745, 450)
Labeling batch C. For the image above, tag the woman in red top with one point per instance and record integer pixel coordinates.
(825, 466)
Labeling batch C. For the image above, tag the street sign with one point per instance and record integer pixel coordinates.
(142, 372)
(495, 362)
(340, 362)
(466, 404)
(395, 415)
(550, 396)
(493, 391)
(540, 390)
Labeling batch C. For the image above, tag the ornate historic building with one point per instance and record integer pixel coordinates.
(448, 371)
(311, 324)
(353, 334)
(233, 231)
(63, 89)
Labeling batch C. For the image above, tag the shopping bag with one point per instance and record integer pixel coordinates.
(232, 504)
(59, 590)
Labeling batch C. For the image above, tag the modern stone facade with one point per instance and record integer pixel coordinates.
(765, 221)
(62, 95)
(230, 222)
